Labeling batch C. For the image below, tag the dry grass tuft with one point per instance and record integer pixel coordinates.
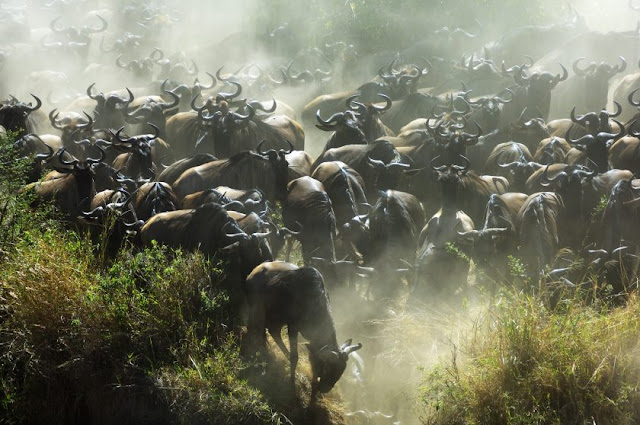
(526, 363)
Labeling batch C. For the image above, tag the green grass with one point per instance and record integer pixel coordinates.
(154, 317)
(524, 363)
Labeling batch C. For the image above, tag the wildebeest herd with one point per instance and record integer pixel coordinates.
(426, 163)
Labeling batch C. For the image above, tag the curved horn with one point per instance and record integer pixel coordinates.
(387, 106)
(73, 162)
(249, 115)
(103, 155)
(193, 104)
(546, 178)
(229, 96)
(258, 106)
(232, 236)
(618, 110)
(87, 125)
(630, 98)
(119, 137)
(103, 26)
(44, 156)
(519, 76)
(94, 97)
(200, 86)
(375, 163)
(464, 167)
(291, 147)
(332, 119)
(478, 130)
(156, 130)
(511, 165)
(576, 68)
(434, 167)
(609, 136)
(351, 98)
(259, 148)
(157, 54)
(38, 104)
(558, 78)
(53, 115)
(52, 25)
(176, 101)
(120, 64)
(501, 100)
(622, 67)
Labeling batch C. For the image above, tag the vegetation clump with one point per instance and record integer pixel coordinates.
(526, 363)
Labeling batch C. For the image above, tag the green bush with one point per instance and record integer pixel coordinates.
(156, 316)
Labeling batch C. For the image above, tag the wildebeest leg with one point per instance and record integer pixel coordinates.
(277, 337)
(293, 356)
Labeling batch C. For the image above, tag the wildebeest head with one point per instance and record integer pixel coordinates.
(219, 123)
(597, 146)
(29, 146)
(153, 112)
(74, 128)
(79, 35)
(368, 114)
(142, 69)
(597, 76)
(596, 122)
(486, 109)
(83, 173)
(538, 86)
(140, 162)
(248, 250)
(347, 127)
(280, 166)
(451, 142)
(329, 364)
(396, 83)
(107, 107)
(568, 182)
(13, 114)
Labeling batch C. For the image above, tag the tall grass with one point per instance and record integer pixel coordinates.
(153, 317)
(525, 363)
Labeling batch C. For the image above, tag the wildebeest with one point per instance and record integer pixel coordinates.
(497, 239)
(379, 164)
(15, 116)
(394, 225)
(282, 294)
(209, 229)
(540, 222)
(171, 173)
(438, 268)
(153, 198)
(73, 190)
(266, 171)
(309, 206)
